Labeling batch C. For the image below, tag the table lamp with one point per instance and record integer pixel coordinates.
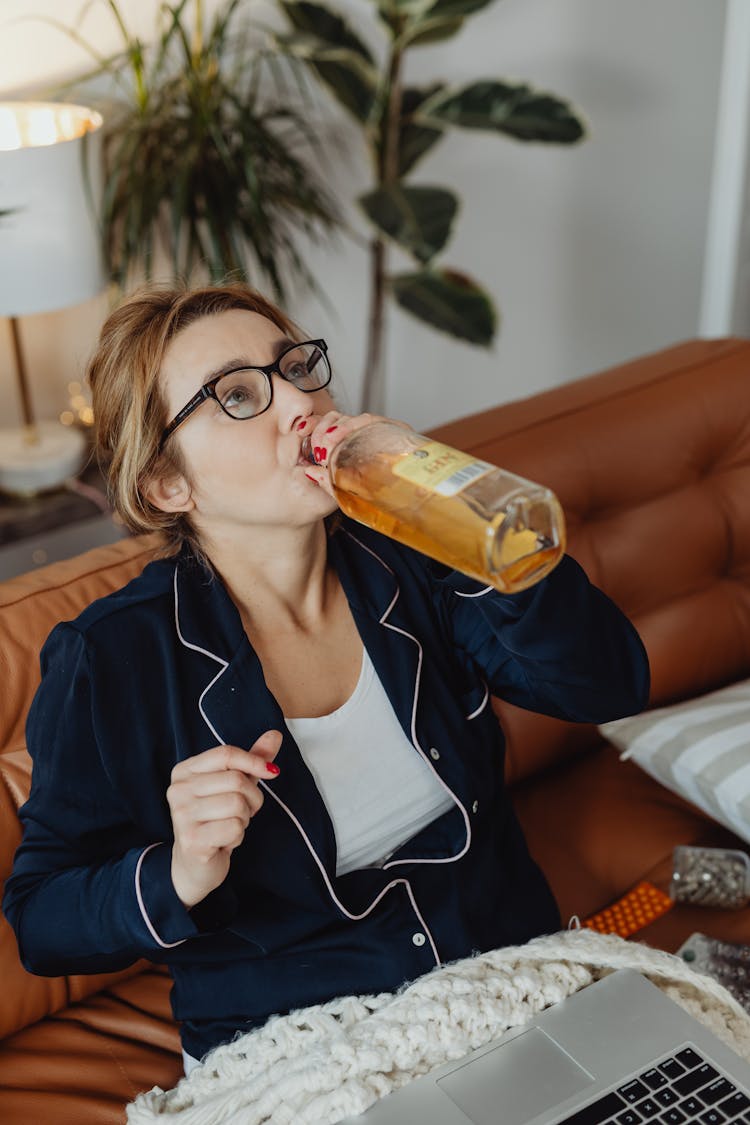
(50, 258)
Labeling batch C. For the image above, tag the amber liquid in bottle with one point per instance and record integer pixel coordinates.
(492, 525)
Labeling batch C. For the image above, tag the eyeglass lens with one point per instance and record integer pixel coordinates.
(247, 391)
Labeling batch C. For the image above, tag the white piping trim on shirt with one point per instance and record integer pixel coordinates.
(224, 665)
(142, 905)
(415, 740)
(482, 705)
(354, 917)
(422, 922)
(478, 594)
(197, 648)
(267, 789)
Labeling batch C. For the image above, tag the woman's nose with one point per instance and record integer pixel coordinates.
(292, 404)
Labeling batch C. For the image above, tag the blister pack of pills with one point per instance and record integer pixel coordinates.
(710, 877)
(726, 962)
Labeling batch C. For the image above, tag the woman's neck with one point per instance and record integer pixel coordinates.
(278, 581)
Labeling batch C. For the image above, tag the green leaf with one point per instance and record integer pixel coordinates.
(454, 9)
(427, 31)
(516, 110)
(395, 12)
(326, 25)
(415, 140)
(417, 218)
(449, 301)
(351, 79)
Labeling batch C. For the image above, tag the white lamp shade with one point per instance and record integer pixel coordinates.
(50, 251)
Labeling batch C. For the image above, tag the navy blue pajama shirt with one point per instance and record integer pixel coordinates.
(163, 669)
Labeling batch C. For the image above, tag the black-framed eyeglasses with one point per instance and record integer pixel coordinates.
(246, 392)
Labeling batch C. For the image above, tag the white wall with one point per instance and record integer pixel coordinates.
(594, 253)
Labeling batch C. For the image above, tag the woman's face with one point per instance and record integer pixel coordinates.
(249, 472)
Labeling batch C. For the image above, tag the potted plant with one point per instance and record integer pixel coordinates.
(400, 123)
(199, 157)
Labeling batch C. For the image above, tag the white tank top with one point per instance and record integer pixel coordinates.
(378, 789)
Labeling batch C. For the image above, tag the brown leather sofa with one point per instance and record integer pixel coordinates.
(652, 463)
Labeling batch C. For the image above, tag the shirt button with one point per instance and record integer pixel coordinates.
(434, 754)
(418, 938)
(475, 806)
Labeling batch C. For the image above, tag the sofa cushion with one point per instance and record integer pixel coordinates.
(597, 826)
(82, 1065)
(699, 748)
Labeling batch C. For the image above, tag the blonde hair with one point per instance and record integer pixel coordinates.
(128, 400)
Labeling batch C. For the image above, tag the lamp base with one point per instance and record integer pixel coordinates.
(28, 467)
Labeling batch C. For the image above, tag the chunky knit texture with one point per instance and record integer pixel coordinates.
(319, 1064)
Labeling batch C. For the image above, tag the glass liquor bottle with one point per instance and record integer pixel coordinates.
(499, 528)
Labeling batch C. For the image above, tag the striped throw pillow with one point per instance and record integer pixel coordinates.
(699, 748)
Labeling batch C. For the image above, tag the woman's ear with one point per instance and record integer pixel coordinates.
(170, 493)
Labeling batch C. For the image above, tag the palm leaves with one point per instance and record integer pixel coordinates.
(200, 163)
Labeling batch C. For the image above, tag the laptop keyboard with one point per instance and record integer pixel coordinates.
(680, 1089)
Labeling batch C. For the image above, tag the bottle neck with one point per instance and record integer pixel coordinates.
(306, 450)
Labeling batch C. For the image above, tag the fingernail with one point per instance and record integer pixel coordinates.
(273, 769)
(311, 478)
(323, 453)
(302, 425)
(316, 453)
(331, 429)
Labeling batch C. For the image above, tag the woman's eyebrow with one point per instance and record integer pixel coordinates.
(279, 346)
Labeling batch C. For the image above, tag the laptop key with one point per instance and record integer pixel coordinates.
(712, 1117)
(673, 1116)
(653, 1078)
(629, 1117)
(672, 1068)
(694, 1079)
(716, 1091)
(735, 1105)
(691, 1106)
(689, 1058)
(597, 1112)
(633, 1091)
(649, 1108)
(666, 1097)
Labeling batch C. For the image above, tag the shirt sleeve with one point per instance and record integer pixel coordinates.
(561, 648)
(87, 893)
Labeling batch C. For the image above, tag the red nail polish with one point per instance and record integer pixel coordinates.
(302, 425)
(311, 478)
(273, 768)
(323, 454)
(316, 452)
(331, 429)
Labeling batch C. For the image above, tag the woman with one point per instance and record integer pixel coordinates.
(269, 761)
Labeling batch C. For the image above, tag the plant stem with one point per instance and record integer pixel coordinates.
(198, 31)
(373, 393)
(373, 376)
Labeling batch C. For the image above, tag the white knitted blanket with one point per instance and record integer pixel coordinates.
(319, 1064)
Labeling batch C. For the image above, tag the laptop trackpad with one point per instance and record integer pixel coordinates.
(515, 1081)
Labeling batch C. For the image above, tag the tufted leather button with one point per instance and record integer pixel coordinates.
(434, 754)
(475, 806)
(418, 938)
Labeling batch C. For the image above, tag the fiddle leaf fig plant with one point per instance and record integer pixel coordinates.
(400, 124)
(200, 158)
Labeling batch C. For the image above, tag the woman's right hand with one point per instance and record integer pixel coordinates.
(212, 798)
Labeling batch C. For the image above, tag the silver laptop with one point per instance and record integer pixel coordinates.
(619, 1051)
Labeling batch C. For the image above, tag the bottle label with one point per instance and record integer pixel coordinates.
(440, 468)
